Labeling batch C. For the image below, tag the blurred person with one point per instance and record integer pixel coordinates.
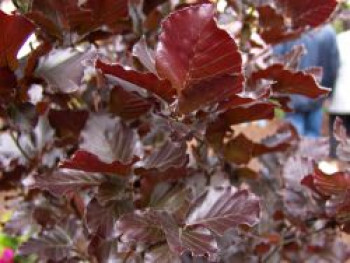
(321, 51)
(340, 101)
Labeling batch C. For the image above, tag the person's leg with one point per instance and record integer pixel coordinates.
(298, 121)
(313, 124)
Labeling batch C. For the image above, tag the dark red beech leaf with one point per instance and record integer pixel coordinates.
(68, 123)
(198, 241)
(49, 27)
(170, 154)
(149, 5)
(308, 181)
(269, 17)
(145, 55)
(334, 184)
(104, 250)
(109, 139)
(88, 162)
(8, 84)
(241, 150)
(63, 69)
(216, 130)
(15, 30)
(34, 57)
(161, 254)
(220, 209)
(201, 61)
(147, 81)
(311, 13)
(60, 18)
(248, 113)
(61, 183)
(272, 26)
(101, 219)
(127, 105)
(111, 13)
(55, 245)
(113, 189)
(141, 227)
(291, 82)
(175, 199)
(277, 35)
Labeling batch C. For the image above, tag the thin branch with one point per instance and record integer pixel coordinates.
(20, 148)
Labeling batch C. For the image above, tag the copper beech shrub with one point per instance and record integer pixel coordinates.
(121, 146)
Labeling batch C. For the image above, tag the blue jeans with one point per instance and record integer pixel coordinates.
(308, 123)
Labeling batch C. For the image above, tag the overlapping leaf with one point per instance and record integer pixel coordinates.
(8, 83)
(61, 183)
(328, 185)
(168, 162)
(291, 82)
(68, 123)
(147, 81)
(198, 241)
(63, 69)
(307, 13)
(15, 30)
(241, 150)
(140, 226)
(291, 18)
(145, 55)
(220, 209)
(59, 18)
(101, 220)
(127, 105)
(55, 245)
(161, 254)
(88, 162)
(201, 61)
(109, 139)
(251, 112)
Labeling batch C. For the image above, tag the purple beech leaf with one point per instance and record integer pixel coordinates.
(199, 242)
(161, 254)
(140, 227)
(88, 162)
(55, 244)
(201, 61)
(104, 250)
(291, 82)
(146, 81)
(63, 182)
(63, 69)
(15, 29)
(127, 105)
(113, 189)
(109, 139)
(220, 209)
(68, 123)
(241, 150)
(174, 199)
(101, 219)
(307, 13)
(145, 55)
(169, 155)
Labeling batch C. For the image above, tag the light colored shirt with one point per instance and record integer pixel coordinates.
(340, 103)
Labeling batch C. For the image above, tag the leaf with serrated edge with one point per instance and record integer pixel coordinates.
(220, 209)
(201, 61)
(109, 139)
